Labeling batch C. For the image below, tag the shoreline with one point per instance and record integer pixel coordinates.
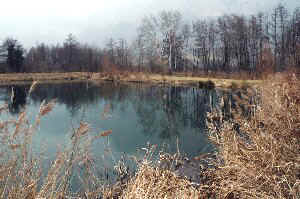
(147, 78)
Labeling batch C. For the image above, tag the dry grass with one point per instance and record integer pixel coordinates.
(262, 158)
(118, 76)
(22, 170)
(151, 182)
(156, 179)
(15, 77)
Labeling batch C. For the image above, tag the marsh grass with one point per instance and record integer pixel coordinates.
(155, 178)
(152, 182)
(23, 173)
(117, 76)
(261, 158)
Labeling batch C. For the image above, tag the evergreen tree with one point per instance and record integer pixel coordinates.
(15, 55)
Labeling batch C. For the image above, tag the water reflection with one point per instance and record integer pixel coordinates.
(15, 96)
(137, 114)
(161, 111)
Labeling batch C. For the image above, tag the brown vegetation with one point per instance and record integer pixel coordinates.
(22, 170)
(261, 159)
(41, 77)
(151, 182)
(117, 76)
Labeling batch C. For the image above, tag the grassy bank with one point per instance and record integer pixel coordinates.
(8, 78)
(176, 79)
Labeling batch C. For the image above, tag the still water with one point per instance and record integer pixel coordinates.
(136, 114)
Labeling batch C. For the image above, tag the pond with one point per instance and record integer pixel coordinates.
(173, 118)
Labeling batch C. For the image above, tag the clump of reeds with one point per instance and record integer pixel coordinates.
(20, 170)
(152, 181)
(22, 173)
(261, 154)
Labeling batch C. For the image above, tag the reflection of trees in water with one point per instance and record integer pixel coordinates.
(241, 100)
(76, 95)
(148, 110)
(160, 110)
(170, 109)
(199, 103)
(73, 95)
(173, 109)
(15, 97)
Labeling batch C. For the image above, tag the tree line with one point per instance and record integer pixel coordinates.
(167, 42)
(265, 41)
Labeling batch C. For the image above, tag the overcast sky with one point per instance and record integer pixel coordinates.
(95, 21)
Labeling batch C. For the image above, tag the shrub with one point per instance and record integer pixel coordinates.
(207, 85)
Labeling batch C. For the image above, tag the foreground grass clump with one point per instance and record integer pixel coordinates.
(22, 170)
(151, 182)
(261, 154)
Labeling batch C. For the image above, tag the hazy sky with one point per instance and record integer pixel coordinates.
(94, 21)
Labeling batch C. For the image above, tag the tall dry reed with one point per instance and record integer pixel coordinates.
(22, 171)
(261, 155)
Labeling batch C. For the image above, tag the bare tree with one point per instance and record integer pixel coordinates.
(141, 51)
(186, 35)
(71, 50)
(111, 46)
(149, 39)
(170, 23)
(274, 35)
(283, 18)
(201, 35)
